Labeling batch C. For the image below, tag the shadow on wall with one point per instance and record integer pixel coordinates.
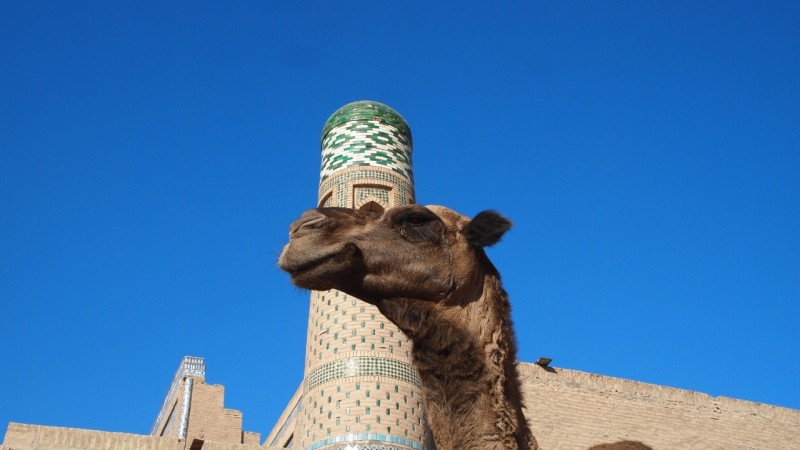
(622, 445)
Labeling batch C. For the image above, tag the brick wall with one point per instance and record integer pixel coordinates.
(28, 437)
(208, 418)
(37, 437)
(568, 409)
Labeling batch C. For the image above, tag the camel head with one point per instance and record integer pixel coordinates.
(411, 252)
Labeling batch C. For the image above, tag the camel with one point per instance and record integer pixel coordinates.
(426, 271)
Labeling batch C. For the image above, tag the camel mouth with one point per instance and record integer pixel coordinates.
(309, 265)
(303, 266)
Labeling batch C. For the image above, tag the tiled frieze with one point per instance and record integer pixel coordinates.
(342, 189)
(362, 366)
(366, 441)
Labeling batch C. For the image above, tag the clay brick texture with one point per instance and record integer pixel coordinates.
(37, 437)
(209, 420)
(568, 409)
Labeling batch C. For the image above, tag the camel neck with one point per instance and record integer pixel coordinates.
(466, 357)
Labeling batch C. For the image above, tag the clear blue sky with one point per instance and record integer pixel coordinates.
(153, 154)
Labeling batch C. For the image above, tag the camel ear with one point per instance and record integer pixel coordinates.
(486, 228)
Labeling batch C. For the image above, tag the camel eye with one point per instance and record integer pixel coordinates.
(419, 226)
(412, 222)
(417, 220)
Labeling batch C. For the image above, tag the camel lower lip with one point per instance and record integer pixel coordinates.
(309, 265)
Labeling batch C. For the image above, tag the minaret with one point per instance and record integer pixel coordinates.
(360, 389)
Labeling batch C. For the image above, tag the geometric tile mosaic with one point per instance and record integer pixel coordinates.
(359, 366)
(384, 442)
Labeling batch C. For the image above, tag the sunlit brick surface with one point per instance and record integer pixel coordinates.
(360, 389)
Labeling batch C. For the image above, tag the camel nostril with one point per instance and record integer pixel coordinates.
(309, 220)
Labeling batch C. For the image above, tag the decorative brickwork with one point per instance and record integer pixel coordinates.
(349, 185)
(366, 134)
(367, 441)
(360, 388)
(360, 367)
(190, 366)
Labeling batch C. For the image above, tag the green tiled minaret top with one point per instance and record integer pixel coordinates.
(366, 133)
(366, 110)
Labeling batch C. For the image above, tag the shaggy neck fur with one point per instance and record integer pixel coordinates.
(466, 356)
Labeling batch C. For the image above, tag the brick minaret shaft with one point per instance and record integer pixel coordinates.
(360, 389)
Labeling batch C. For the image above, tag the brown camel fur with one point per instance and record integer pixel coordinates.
(426, 271)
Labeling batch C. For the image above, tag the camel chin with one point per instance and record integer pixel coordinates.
(319, 270)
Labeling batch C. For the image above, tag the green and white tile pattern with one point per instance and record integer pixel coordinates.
(366, 134)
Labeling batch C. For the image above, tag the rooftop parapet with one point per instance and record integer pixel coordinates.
(191, 366)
